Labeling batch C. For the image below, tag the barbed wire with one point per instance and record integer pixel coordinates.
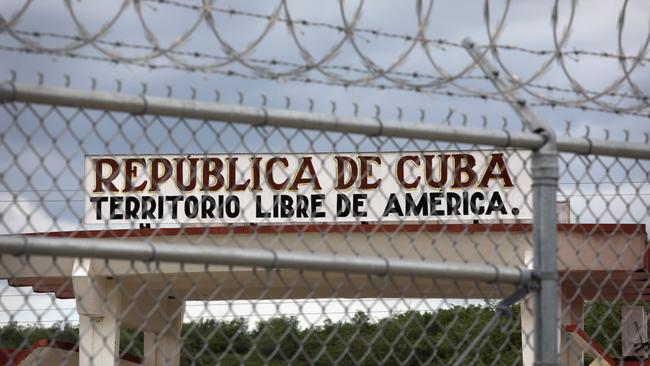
(47, 141)
(405, 37)
(369, 73)
(270, 62)
(644, 113)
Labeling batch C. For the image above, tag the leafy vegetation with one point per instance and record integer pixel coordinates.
(410, 338)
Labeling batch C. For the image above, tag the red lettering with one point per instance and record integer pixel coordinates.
(131, 173)
(306, 166)
(365, 173)
(342, 165)
(400, 171)
(100, 181)
(464, 163)
(496, 160)
(158, 177)
(429, 171)
(269, 173)
(179, 174)
(232, 176)
(212, 168)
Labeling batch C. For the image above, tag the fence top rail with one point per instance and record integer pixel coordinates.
(261, 116)
(149, 251)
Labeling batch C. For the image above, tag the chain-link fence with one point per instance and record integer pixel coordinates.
(142, 226)
(388, 271)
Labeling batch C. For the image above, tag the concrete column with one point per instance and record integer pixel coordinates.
(99, 336)
(527, 329)
(150, 349)
(99, 305)
(527, 321)
(162, 336)
(571, 312)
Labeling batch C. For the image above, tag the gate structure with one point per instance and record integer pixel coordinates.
(141, 226)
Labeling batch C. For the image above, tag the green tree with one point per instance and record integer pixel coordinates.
(409, 338)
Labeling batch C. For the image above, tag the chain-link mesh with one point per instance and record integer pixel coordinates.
(259, 314)
(144, 225)
(604, 287)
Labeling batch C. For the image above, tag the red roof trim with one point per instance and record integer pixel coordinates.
(23, 354)
(572, 328)
(343, 228)
(647, 257)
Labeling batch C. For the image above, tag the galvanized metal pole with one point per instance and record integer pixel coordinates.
(220, 254)
(261, 116)
(544, 166)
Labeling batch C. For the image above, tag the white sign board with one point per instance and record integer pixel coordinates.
(458, 186)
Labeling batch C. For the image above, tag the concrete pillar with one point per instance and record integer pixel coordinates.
(162, 336)
(99, 305)
(527, 329)
(99, 336)
(571, 312)
(527, 320)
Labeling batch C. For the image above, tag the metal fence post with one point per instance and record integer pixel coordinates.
(544, 166)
